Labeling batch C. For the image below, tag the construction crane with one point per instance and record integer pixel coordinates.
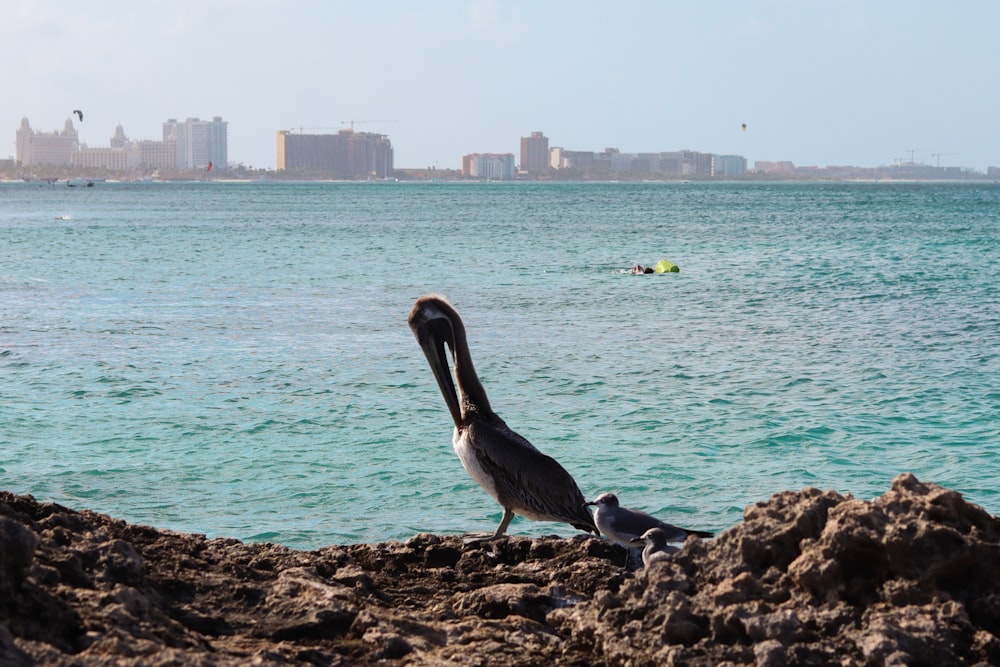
(352, 122)
(302, 129)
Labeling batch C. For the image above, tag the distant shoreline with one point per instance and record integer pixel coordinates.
(74, 180)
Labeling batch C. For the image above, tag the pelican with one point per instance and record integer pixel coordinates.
(518, 476)
(623, 525)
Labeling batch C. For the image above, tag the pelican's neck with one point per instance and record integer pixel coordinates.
(471, 392)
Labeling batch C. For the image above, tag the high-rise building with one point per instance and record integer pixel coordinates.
(535, 153)
(729, 165)
(198, 142)
(347, 154)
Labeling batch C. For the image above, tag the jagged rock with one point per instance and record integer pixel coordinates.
(808, 577)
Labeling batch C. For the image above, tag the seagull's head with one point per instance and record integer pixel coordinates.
(654, 536)
(604, 500)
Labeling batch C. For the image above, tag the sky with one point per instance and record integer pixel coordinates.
(817, 82)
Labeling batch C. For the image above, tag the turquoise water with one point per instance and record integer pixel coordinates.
(234, 359)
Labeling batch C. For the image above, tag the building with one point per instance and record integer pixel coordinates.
(198, 143)
(306, 152)
(557, 158)
(782, 167)
(560, 158)
(116, 157)
(729, 165)
(191, 144)
(347, 154)
(493, 166)
(113, 159)
(613, 163)
(55, 147)
(535, 153)
(149, 154)
(369, 155)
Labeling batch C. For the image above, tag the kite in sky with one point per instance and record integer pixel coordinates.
(78, 113)
(744, 127)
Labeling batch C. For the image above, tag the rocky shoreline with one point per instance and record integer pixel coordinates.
(809, 577)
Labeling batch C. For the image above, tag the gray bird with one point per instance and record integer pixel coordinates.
(522, 479)
(623, 525)
(656, 548)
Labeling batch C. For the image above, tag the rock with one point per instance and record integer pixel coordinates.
(808, 577)
(17, 551)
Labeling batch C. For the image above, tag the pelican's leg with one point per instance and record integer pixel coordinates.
(508, 516)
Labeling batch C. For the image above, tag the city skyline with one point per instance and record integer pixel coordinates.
(370, 155)
(822, 83)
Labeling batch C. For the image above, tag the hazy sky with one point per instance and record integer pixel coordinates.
(861, 82)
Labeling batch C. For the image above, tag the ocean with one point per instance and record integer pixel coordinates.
(234, 359)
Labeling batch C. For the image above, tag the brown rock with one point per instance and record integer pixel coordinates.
(808, 577)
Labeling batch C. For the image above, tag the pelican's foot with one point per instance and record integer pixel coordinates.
(476, 538)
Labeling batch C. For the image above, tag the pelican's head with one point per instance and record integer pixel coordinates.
(434, 322)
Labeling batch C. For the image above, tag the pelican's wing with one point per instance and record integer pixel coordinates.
(527, 479)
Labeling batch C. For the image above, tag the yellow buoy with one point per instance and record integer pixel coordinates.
(663, 266)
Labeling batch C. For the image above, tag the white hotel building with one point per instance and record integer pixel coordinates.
(187, 144)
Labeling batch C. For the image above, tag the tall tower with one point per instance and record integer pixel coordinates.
(198, 142)
(535, 153)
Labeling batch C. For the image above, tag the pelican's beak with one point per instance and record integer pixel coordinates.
(432, 333)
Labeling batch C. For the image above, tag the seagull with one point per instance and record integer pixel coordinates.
(518, 476)
(656, 548)
(623, 525)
